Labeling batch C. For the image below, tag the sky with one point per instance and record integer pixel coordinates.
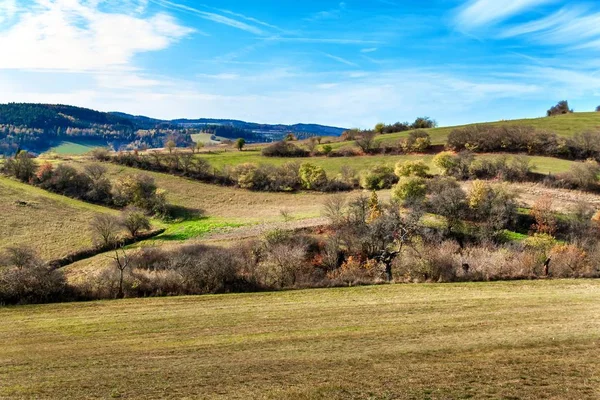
(352, 63)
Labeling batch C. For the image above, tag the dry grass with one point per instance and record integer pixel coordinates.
(53, 225)
(519, 340)
(234, 205)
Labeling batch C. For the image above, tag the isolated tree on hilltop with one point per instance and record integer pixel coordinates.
(562, 107)
(598, 109)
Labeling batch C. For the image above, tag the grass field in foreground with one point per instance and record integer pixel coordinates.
(515, 340)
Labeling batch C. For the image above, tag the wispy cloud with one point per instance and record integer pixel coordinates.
(477, 13)
(340, 59)
(369, 50)
(328, 14)
(575, 27)
(214, 17)
(323, 40)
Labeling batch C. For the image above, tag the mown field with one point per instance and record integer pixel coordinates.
(75, 147)
(54, 225)
(514, 340)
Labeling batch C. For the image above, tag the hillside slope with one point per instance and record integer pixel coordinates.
(564, 125)
(51, 224)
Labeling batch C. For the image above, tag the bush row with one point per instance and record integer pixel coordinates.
(524, 139)
(91, 185)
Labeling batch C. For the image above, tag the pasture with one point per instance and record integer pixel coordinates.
(333, 165)
(75, 147)
(563, 125)
(50, 223)
(517, 340)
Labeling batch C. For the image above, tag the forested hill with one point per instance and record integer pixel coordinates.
(266, 130)
(37, 127)
(53, 116)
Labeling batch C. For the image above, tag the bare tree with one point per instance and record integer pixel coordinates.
(333, 208)
(105, 229)
(95, 171)
(20, 256)
(134, 220)
(122, 264)
(170, 145)
(366, 141)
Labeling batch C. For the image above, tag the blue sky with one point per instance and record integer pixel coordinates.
(350, 63)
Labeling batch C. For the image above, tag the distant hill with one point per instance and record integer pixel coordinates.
(265, 132)
(39, 127)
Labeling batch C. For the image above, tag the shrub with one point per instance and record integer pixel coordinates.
(582, 175)
(417, 141)
(543, 213)
(267, 177)
(452, 164)
(250, 176)
(345, 151)
(24, 279)
(23, 167)
(448, 200)
(284, 149)
(569, 261)
(327, 149)
(100, 154)
(134, 220)
(68, 181)
(380, 177)
(140, 191)
(312, 177)
(410, 190)
(354, 272)
(495, 206)
(412, 168)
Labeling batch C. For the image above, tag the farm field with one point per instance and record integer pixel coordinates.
(525, 340)
(50, 223)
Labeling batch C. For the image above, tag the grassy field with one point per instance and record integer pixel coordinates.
(53, 225)
(228, 205)
(564, 125)
(204, 138)
(515, 340)
(74, 148)
(333, 165)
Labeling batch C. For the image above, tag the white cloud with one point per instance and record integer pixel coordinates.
(369, 50)
(77, 36)
(8, 9)
(344, 99)
(477, 13)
